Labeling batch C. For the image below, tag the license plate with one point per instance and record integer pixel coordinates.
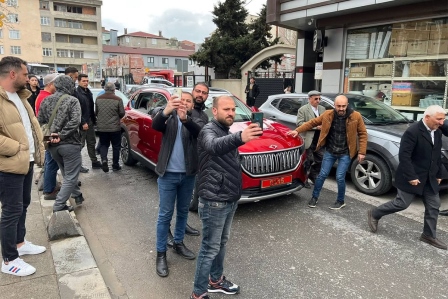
(276, 182)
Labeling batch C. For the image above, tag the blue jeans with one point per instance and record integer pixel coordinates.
(174, 188)
(216, 217)
(15, 196)
(327, 163)
(50, 173)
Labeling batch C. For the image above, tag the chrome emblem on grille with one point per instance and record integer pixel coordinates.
(273, 146)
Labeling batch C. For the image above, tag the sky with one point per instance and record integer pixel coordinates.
(183, 19)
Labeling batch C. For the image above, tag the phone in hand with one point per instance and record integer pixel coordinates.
(177, 92)
(257, 117)
(47, 138)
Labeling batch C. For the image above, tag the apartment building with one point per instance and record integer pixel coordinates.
(71, 34)
(20, 33)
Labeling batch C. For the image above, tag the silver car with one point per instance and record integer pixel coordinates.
(385, 126)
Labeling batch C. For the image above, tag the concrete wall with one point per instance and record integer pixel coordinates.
(232, 85)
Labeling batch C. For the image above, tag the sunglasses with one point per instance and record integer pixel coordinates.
(200, 91)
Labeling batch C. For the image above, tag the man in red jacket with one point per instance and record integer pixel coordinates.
(48, 90)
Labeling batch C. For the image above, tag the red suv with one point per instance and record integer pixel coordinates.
(272, 165)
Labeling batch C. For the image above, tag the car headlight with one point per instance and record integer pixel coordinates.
(396, 143)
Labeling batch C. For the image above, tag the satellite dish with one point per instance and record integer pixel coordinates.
(317, 41)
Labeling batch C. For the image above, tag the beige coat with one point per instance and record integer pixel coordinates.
(13, 134)
(305, 114)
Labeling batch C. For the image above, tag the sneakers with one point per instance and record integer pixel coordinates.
(65, 208)
(51, 196)
(105, 166)
(18, 267)
(203, 296)
(337, 205)
(30, 248)
(96, 165)
(313, 202)
(223, 286)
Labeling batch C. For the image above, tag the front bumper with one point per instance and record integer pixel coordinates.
(257, 194)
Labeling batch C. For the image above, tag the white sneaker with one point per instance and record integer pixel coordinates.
(18, 267)
(30, 248)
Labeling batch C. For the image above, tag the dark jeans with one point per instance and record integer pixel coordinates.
(216, 217)
(89, 138)
(315, 159)
(50, 173)
(15, 196)
(402, 202)
(250, 101)
(107, 138)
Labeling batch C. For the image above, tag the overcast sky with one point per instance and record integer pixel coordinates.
(185, 20)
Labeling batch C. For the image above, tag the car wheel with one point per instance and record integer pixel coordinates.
(194, 201)
(372, 176)
(125, 150)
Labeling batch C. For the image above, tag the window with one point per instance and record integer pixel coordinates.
(2, 50)
(150, 59)
(154, 41)
(12, 2)
(76, 39)
(14, 34)
(290, 106)
(13, 18)
(61, 38)
(164, 60)
(74, 24)
(60, 23)
(45, 21)
(59, 7)
(127, 39)
(46, 51)
(74, 9)
(16, 50)
(69, 53)
(191, 62)
(46, 36)
(44, 5)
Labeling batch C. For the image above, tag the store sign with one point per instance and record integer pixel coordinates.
(318, 70)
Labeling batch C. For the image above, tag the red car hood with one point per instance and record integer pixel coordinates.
(274, 138)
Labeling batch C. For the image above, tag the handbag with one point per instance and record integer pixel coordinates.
(46, 127)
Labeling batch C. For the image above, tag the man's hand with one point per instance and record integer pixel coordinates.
(438, 181)
(292, 133)
(253, 131)
(182, 112)
(85, 127)
(319, 128)
(55, 138)
(173, 103)
(414, 182)
(361, 158)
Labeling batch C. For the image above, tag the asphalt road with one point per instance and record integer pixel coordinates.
(279, 248)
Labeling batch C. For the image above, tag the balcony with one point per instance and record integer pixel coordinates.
(78, 47)
(75, 16)
(73, 31)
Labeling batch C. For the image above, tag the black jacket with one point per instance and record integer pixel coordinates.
(199, 114)
(419, 159)
(33, 97)
(168, 126)
(220, 175)
(85, 98)
(255, 90)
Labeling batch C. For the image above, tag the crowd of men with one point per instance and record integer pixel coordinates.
(195, 153)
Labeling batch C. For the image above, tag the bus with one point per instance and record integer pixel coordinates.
(38, 69)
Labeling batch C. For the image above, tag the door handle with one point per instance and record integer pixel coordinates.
(273, 117)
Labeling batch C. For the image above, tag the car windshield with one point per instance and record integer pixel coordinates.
(242, 113)
(118, 93)
(374, 111)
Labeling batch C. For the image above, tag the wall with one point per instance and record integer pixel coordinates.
(232, 85)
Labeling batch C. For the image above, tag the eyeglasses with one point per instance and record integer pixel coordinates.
(317, 99)
(200, 91)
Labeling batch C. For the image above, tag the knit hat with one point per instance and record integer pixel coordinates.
(50, 78)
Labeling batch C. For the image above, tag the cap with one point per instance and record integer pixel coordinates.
(50, 78)
(313, 93)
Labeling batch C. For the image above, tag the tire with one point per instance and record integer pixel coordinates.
(194, 201)
(372, 176)
(125, 151)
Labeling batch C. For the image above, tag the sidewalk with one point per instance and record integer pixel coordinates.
(66, 270)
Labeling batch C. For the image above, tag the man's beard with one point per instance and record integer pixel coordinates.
(19, 87)
(226, 122)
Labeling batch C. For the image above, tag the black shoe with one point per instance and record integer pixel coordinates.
(161, 264)
(105, 166)
(337, 205)
(79, 183)
(223, 286)
(433, 241)
(307, 185)
(79, 199)
(313, 202)
(183, 251)
(84, 170)
(443, 213)
(116, 167)
(96, 165)
(191, 231)
(373, 223)
(170, 240)
(65, 208)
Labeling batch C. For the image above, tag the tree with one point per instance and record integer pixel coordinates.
(234, 41)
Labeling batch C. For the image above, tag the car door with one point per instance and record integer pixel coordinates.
(288, 107)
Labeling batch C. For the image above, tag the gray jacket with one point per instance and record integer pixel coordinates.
(305, 114)
(109, 110)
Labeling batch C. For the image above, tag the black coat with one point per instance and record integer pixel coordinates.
(255, 90)
(419, 159)
(85, 98)
(220, 175)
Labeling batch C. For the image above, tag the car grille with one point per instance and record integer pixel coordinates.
(278, 162)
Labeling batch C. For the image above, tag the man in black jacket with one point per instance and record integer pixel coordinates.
(88, 118)
(177, 166)
(219, 189)
(252, 91)
(418, 173)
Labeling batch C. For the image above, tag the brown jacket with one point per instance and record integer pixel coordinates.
(13, 134)
(356, 130)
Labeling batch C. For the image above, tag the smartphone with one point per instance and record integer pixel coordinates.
(48, 138)
(178, 92)
(257, 117)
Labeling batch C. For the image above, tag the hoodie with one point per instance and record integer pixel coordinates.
(68, 116)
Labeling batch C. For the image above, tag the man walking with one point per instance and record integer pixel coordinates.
(109, 111)
(342, 129)
(306, 113)
(177, 167)
(252, 91)
(21, 147)
(219, 190)
(418, 173)
(88, 118)
(65, 144)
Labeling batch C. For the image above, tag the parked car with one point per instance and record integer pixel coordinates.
(154, 80)
(385, 126)
(96, 91)
(272, 165)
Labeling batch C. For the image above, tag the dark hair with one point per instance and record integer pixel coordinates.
(70, 70)
(31, 76)
(203, 84)
(10, 62)
(189, 93)
(80, 76)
